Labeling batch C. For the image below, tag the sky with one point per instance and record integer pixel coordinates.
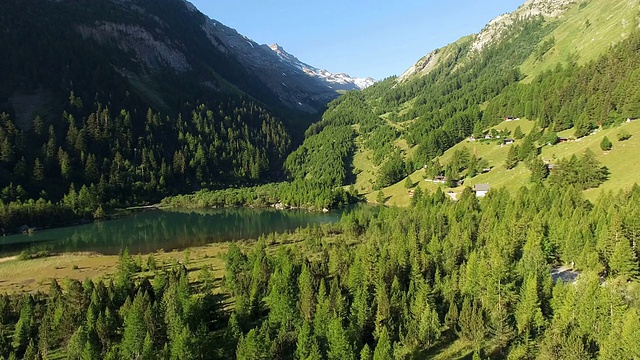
(376, 38)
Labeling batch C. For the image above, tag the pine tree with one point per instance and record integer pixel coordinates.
(306, 342)
(539, 170)
(89, 351)
(512, 158)
(282, 299)
(307, 296)
(471, 324)
(365, 353)
(528, 314)
(384, 347)
(76, 344)
(135, 329)
(148, 353)
(517, 133)
(339, 345)
(408, 183)
(623, 261)
(25, 326)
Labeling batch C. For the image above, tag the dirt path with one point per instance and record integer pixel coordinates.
(8, 258)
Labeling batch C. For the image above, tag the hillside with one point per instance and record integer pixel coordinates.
(517, 66)
(619, 160)
(113, 103)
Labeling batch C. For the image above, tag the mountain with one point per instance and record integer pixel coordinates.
(569, 66)
(138, 45)
(296, 84)
(339, 81)
(128, 101)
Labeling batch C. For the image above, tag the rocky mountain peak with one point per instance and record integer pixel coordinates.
(494, 30)
(337, 81)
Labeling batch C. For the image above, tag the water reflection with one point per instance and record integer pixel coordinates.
(149, 231)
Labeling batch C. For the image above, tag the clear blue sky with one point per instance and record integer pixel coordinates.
(376, 38)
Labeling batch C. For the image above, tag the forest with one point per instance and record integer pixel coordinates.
(441, 278)
(468, 92)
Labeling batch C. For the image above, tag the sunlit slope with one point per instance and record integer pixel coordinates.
(586, 31)
(622, 161)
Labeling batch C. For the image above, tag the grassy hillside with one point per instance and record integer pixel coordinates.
(622, 162)
(585, 32)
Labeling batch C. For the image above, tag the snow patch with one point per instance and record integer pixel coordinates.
(329, 77)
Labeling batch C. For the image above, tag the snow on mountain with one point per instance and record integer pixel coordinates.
(341, 81)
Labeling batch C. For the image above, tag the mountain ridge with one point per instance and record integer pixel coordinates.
(339, 81)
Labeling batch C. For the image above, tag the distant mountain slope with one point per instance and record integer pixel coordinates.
(298, 85)
(339, 81)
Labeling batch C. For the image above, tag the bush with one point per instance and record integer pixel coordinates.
(624, 135)
(605, 144)
(27, 255)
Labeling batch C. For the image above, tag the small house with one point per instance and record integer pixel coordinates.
(509, 141)
(481, 189)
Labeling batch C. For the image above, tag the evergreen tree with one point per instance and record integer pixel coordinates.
(408, 183)
(623, 261)
(539, 170)
(384, 349)
(512, 158)
(517, 133)
(339, 345)
(365, 353)
(135, 329)
(25, 326)
(76, 344)
(528, 314)
(307, 296)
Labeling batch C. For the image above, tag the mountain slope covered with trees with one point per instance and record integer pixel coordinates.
(512, 69)
(117, 103)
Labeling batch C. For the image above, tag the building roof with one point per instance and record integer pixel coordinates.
(482, 187)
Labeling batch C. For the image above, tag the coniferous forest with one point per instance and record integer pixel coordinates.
(474, 276)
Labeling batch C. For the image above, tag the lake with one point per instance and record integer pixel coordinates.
(147, 231)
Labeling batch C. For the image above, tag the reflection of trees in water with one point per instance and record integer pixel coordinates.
(149, 231)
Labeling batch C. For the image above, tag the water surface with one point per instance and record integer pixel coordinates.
(148, 231)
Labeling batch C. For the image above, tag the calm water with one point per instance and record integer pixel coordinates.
(149, 231)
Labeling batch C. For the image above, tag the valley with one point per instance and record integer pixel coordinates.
(489, 166)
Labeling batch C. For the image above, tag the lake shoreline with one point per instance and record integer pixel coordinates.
(151, 228)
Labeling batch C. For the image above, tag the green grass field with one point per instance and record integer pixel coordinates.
(622, 161)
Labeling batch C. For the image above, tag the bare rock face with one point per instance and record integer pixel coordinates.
(493, 31)
(151, 51)
(423, 66)
(296, 84)
(145, 40)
